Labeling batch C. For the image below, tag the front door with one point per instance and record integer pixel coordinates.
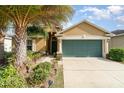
(54, 46)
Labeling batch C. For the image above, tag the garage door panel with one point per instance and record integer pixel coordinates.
(94, 48)
(82, 48)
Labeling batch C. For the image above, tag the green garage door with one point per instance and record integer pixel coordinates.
(82, 48)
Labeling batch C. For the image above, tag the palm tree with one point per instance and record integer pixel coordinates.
(22, 16)
(36, 30)
(3, 25)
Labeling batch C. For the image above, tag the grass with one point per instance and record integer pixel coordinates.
(59, 80)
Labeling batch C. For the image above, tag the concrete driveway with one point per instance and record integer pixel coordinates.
(92, 73)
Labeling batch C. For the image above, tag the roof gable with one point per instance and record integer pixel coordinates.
(85, 21)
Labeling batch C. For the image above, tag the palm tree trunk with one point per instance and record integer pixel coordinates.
(21, 46)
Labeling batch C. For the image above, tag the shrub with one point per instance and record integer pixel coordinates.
(8, 54)
(59, 56)
(33, 55)
(30, 55)
(117, 54)
(40, 73)
(9, 57)
(108, 56)
(36, 55)
(10, 78)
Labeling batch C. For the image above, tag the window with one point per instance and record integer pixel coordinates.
(29, 45)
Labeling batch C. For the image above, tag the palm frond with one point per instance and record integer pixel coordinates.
(36, 30)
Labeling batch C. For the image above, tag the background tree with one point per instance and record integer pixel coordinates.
(22, 16)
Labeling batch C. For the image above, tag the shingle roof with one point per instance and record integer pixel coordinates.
(117, 32)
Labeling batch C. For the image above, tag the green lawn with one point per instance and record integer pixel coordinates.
(59, 80)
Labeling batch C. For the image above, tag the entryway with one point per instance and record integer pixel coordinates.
(52, 44)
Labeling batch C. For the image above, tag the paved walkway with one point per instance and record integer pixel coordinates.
(44, 59)
(92, 73)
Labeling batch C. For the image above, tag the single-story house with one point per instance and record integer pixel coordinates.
(84, 39)
(117, 41)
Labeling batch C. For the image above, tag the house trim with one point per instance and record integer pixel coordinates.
(82, 37)
(34, 45)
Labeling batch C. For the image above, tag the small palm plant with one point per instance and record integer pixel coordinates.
(36, 31)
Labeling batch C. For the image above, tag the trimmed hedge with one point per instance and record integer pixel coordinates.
(117, 54)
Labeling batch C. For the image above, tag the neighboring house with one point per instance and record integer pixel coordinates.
(117, 41)
(84, 39)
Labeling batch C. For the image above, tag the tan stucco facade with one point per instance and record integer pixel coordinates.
(84, 28)
(117, 42)
(40, 44)
(85, 31)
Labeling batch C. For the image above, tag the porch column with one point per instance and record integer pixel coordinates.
(105, 47)
(60, 46)
(34, 45)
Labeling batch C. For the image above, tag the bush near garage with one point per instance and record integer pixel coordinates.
(117, 54)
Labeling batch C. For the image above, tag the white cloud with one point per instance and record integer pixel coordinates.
(115, 9)
(90, 17)
(97, 13)
(120, 19)
(85, 14)
(102, 13)
(119, 25)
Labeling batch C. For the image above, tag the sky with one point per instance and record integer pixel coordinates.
(108, 17)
